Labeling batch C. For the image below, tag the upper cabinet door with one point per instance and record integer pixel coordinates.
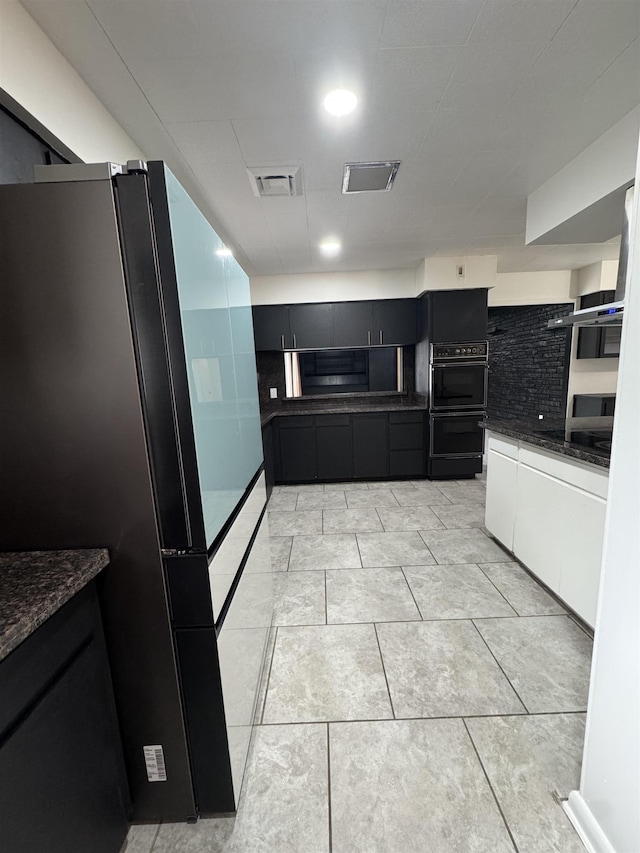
(395, 322)
(353, 324)
(271, 327)
(457, 316)
(311, 325)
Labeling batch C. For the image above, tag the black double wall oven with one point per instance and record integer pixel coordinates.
(457, 403)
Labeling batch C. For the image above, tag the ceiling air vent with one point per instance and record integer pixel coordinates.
(369, 177)
(273, 181)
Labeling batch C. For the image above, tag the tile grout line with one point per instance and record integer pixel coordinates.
(498, 662)
(493, 793)
(384, 670)
(424, 719)
(155, 837)
(326, 599)
(497, 588)
(329, 815)
(406, 580)
(266, 687)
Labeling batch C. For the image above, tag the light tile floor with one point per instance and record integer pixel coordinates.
(424, 694)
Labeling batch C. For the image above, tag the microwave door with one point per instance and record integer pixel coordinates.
(459, 386)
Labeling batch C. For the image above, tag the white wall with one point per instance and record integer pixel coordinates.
(39, 78)
(592, 375)
(603, 167)
(531, 288)
(605, 810)
(333, 286)
(441, 273)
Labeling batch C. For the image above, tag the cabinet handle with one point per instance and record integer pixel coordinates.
(294, 342)
(281, 341)
(380, 335)
(369, 337)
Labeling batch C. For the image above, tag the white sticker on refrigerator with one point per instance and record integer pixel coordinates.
(154, 760)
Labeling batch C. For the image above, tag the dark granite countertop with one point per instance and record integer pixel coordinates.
(34, 584)
(348, 406)
(584, 439)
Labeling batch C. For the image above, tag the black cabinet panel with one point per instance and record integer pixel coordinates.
(269, 457)
(601, 342)
(407, 463)
(298, 451)
(311, 325)
(395, 321)
(458, 315)
(335, 451)
(370, 446)
(353, 324)
(62, 785)
(271, 327)
(406, 436)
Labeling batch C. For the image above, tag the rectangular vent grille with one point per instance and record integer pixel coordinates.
(369, 177)
(274, 181)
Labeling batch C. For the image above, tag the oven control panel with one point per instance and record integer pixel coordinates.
(453, 352)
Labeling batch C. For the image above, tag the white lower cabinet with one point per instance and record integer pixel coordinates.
(502, 475)
(550, 512)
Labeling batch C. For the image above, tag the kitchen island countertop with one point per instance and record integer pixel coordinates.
(35, 584)
(562, 436)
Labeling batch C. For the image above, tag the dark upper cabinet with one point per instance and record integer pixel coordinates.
(602, 341)
(395, 322)
(370, 445)
(271, 327)
(311, 325)
(353, 324)
(325, 325)
(457, 315)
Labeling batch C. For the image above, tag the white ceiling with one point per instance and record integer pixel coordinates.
(481, 100)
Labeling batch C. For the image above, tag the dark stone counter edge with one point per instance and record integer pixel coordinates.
(265, 417)
(35, 584)
(564, 448)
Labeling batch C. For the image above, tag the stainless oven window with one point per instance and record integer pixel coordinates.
(459, 386)
(456, 435)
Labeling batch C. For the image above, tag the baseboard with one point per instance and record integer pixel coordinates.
(586, 825)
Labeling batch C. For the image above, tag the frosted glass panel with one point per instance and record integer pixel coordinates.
(218, 339)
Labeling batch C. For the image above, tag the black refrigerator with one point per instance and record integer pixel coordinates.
(131, 421)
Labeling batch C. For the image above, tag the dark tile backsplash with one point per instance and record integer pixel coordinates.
(528, 363)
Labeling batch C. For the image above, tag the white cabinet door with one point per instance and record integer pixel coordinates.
(500, 509)
(558, 536)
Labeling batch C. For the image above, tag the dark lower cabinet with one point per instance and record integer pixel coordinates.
(408, 444)
(62, 785)
(359, 446)
(334, 436)
(298, 449)
(370, 446)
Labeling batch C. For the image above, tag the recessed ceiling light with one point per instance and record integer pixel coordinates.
(330, 248)
(224, 252)
(340, 102)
